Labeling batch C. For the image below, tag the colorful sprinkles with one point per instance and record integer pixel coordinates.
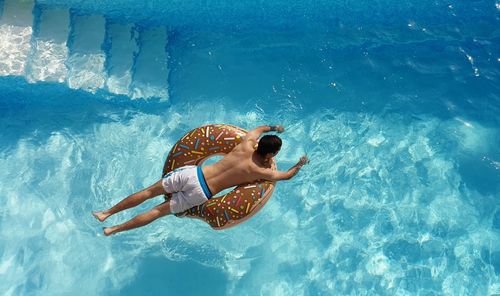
(229, 209)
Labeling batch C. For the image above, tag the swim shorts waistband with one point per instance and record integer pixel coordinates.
(203, 183)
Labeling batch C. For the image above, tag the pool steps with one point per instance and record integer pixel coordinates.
(86, 60)
(15, 37)
(49, 51)
(88, 52)
(122, 44)
(146, 79)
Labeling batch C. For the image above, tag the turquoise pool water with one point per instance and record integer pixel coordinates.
(396, 104)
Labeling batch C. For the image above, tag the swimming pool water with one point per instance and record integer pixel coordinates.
(396, 104)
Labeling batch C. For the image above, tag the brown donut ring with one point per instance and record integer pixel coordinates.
(230, 209)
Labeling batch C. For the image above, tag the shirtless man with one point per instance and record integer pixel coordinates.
(191, 186)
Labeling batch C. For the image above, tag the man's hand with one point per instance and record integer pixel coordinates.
(277, 128)
(302, 161)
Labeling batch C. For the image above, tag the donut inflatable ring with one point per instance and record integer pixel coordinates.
(234, 207)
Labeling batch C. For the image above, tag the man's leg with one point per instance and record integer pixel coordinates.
(132, 200)
(140, 220)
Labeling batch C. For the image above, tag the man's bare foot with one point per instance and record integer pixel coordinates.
(101, 216)
(107, 231)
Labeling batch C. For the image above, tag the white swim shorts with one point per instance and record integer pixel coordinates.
(188, 188)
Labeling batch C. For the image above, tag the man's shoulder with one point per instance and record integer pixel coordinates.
(246, 145)
(249, 141)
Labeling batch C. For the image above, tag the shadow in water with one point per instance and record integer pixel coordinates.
(37, 110)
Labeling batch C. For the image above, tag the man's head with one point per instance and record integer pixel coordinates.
(269, 144)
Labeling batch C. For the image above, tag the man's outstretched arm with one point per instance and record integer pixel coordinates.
(271, 175)
(258, 131)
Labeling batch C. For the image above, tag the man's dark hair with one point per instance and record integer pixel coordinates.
(269, 144)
